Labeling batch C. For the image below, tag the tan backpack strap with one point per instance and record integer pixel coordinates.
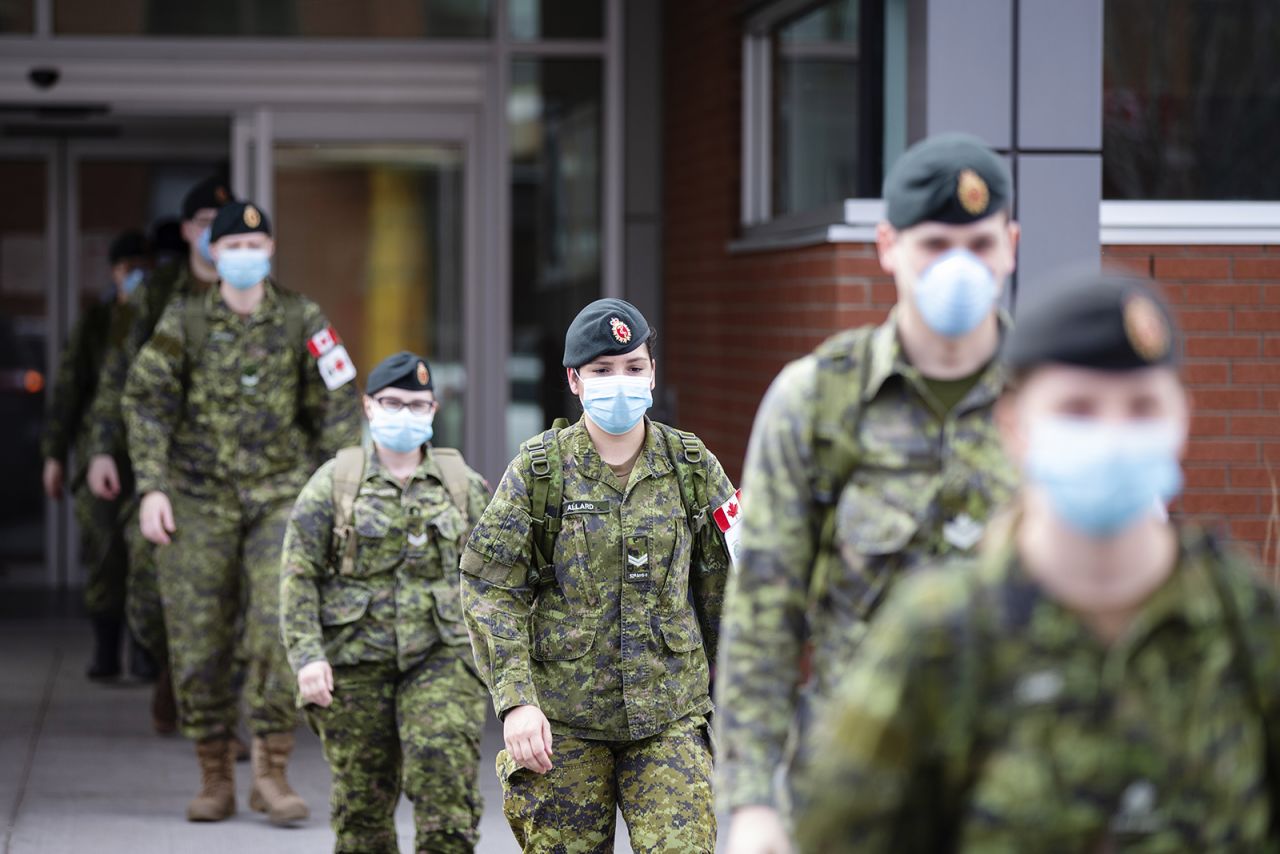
(348, 472)
(457, 476)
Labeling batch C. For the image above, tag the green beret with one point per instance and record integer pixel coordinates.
(404, 370)
(952, 177)
(1103, 321)
(209, 193)
(606, 327)
(239, 218)
(128, 244)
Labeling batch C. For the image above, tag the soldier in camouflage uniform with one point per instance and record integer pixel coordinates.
(1097, 679)
(227, 415)
(869, 457)
(102, 540)
(597, 657)
(373, 626)
(109, 476)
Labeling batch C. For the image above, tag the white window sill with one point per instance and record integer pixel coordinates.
(851, 221)
(1213, 223)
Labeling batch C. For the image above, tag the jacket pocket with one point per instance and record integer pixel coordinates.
(448, 614)
(554, 640)
(342, 602)
(872, 537)
(681, 632)
(379, 544)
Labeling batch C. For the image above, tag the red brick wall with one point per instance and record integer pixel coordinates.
(1227, 299)
(731, 321)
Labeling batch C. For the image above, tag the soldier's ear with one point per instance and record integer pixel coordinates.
(886, 246)
(575, 384)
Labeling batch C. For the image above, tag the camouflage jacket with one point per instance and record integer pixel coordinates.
(251, 410)
(132, 329)
(982, 713)
(922, 487)
(402, 599)
(77, 385)
(617, 646)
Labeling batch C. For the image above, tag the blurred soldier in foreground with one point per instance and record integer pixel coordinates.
(373, 626)
(231, 405)
(1098, 679)
(102, 543)
(874, 455)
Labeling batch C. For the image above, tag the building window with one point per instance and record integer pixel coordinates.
(816, 84)
(1191, 101)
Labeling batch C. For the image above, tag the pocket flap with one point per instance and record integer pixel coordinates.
(869, 526)
(502, 535)
(554, 640)
(448, 524)
(371, 523)
(343, 602)
(681, 633)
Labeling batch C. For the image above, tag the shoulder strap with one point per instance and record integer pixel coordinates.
(348, 472)
(195, 329)
(688, 453)
(457, 477)
(836, 445)
(542, 454)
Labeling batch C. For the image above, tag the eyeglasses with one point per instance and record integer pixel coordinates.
(417, 407)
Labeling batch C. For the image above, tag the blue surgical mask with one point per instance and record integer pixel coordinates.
(401, 431)
(1102, 478)
(131, 281)
(202, 245)
(616, 403)
(955, 293)
(243, 268)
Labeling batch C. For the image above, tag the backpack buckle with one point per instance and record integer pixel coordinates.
(538, 462)
(692, 448)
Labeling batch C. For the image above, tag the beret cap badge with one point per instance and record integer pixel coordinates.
(973, 193)
(621, 332)
(1146, 328)
(252, 218)
(423, 374)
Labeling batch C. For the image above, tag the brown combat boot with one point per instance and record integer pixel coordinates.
(217, 798)
(272, 793)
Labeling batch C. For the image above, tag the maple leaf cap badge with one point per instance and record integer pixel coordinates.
(252, 218)
(1146, 329)
(973, 193)
(621, 332)
(423, 374)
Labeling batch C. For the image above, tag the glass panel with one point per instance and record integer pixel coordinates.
(372, 232)
(1191, 107)
(554, 111)
(17, 16)
(24, 376)
(556, 19)
(396, 19)
(820, 120)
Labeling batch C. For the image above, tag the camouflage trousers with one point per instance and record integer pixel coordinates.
(103, 552)
(418, 732)
(218, 546)
(143, 607)
(661, 784)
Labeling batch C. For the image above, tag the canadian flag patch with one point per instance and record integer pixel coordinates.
(336, 368)
(728, 516)
(323, 341)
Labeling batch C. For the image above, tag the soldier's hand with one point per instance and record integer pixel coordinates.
(315, 683)
(155, 517)
(104, 477)
(527, 733)
(757, 830)
(52, 478)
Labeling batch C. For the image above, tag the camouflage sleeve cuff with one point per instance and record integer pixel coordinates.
(150, 483)
(743, 788)
(53, 450)
(304, 654)
(511, 694)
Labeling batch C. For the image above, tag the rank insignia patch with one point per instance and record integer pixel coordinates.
(621, 332)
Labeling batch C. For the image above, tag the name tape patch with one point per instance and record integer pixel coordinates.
(572, 508)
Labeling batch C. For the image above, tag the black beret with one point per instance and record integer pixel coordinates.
(239, 218)
(606, 327)
(404, 370)
(1104, 321)
(210, 193)
(128, 244)
(166, 236)
(952, 177)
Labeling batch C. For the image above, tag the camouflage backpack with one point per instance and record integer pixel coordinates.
(542, 455)
(348, 474)
(837, 418)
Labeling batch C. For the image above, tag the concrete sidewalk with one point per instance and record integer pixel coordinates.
(81, 770)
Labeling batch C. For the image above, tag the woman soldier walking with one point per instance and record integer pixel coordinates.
(592, 588)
